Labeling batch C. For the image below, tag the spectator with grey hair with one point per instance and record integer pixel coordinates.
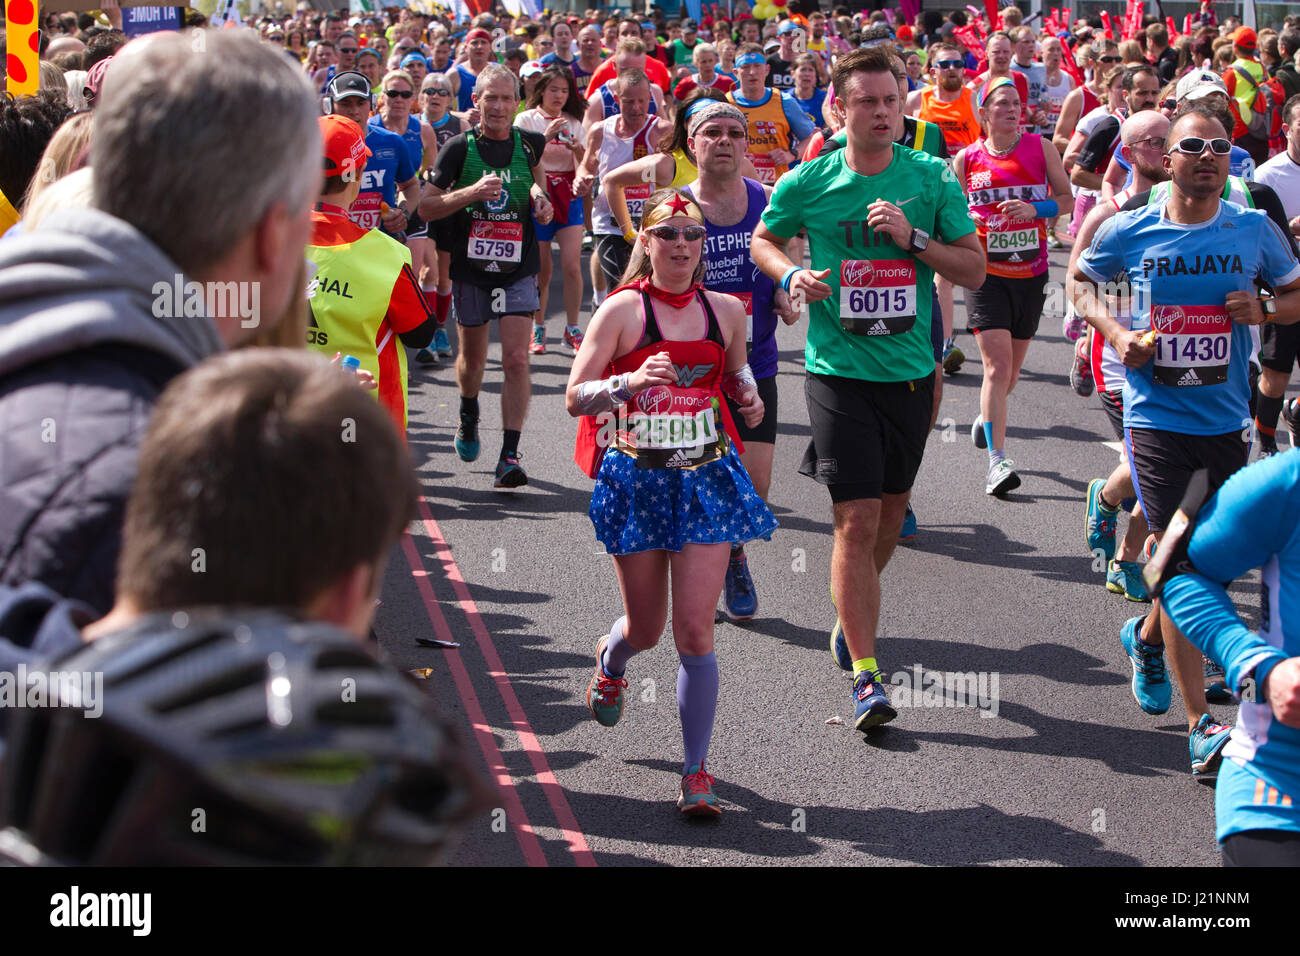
(101, 307)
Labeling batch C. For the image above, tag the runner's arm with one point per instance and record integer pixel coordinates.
(1113, 181)
(767, 249)
(1066, 122)
(600, 345)
(1102, 258)
(655, 168)
(595, 113)
(590, 162)
(913, 103)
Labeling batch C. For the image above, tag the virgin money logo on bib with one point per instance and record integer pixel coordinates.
(1169, 319)
(858, 272)
(998, 220)
(656, 400)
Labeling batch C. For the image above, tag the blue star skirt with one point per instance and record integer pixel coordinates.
(660, 509)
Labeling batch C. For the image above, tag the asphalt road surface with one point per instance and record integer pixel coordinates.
(1044, 759)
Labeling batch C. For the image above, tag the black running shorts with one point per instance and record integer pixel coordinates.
(1278, 346)
(1162, 464)
(1261, 848)
(867, 435)
(1012, 304)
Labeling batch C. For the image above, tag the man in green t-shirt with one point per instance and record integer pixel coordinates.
(870, 210)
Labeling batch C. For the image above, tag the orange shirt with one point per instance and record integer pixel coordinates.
(956, 119)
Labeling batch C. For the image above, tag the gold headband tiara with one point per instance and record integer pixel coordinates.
(679, 205)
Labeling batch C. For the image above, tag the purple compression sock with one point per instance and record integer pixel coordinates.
(697, 701)
(617, 650)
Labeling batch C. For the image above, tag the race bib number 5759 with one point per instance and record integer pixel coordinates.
(496, 241)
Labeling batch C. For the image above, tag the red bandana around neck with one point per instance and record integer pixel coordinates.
(678, 300)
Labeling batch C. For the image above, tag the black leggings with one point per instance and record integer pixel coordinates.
(613, 253)
(1262, 848)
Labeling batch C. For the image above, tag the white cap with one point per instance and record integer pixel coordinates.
(1199, 83)
(530, 68)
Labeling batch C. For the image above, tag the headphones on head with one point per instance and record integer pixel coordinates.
(327, 101)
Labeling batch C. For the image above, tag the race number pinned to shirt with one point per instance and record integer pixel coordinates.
(765, 167)
(674, 427)
(496, 241)
(747, 300)
(636, 197)
(1012, 240)
(366, 212)
(1193, 344)
(877, 297)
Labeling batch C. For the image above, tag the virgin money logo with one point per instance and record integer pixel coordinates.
(857, 272)
(1168, 319)
(997, 221)
(656, 400)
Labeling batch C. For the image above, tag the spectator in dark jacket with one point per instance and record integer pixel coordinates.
(1288, 42)
(205, 170)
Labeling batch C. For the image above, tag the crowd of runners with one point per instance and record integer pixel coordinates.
(163, 203)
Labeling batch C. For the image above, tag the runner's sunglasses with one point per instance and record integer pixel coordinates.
(1195, 146)
(671, 233)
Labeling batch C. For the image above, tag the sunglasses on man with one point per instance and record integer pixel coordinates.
(1196, 145)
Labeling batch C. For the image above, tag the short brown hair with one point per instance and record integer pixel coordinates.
(265, 476)
(875, 59)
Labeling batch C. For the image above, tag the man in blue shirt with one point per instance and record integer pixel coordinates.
(389, 168)
(1193, 262)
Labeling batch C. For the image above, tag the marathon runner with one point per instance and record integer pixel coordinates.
(1143, 137)
(1280, 344)
(1251, 522)
(1016, 187)
(488, 180)
(555, 111)
(604, 102)
(870, 210)
(778, 126)
(732, 206)
(435, 267)
(949, 105)
(999, 47)
(658, 469)
(389, 168)
(462, 79)
(632, 134)
(1193, 261)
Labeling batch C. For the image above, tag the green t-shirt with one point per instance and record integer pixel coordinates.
(830, 200)
(682, 53)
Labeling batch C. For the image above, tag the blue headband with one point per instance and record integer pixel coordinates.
(745, 59)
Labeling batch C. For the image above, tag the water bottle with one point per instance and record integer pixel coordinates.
(351, 363)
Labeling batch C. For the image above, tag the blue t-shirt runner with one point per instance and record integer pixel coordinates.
(389, 164)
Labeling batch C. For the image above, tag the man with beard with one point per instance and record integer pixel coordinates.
(999, 49)
(1194, 262)
(1143, 138)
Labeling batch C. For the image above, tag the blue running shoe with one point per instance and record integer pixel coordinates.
(441, 344)
(509, 473)
(840, 648)
(467, 438)
(740, 601)
(426, 358)
(872, 707)
(1205, 744)
(1099, 522)
(1151, 688)
(909, 525)
(1125, 577)
(1216, 683)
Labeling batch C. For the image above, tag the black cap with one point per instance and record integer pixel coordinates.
(350, 83)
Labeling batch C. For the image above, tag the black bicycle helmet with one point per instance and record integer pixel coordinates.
(246, 738)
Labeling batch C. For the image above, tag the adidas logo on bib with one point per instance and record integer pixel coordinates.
(879, 328)
(491, 267)
(1190, 378)
(679, 460)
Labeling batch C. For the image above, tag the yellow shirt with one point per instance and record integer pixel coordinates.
(8, 214)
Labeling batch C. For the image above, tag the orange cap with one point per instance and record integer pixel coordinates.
(345, 146)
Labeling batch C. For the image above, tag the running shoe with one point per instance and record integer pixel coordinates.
(908, 531)
(573, 337)
(977, 434)
(840, 648)
(740, 601)
(1151, 688)
(953, 358)
(1291, 415)
(604, 693)
(1081, 370)
(1054, 241)
(467, 438)
(1216, 682)
(697, 798)
(587, 242)
(426, 358)
(1125, 577)
(1149, 548)
(1205, 744)
(441, 344)
(538, 345)
(1002, 479)
(1072, 326)
(1099, 522)
(510, 474)
(871, 704)
(1267, 449)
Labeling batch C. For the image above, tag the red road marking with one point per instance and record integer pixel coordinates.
(528, 843)
(527, 738)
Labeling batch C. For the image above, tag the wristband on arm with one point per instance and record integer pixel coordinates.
(1046, 208)
(604, 394)
(734, 382)
(785, 279)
